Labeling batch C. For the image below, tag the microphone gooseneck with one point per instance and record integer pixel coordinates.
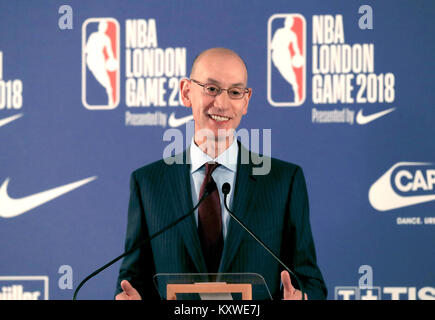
(226, 190)
(209, 188)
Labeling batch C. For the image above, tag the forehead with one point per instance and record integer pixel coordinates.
(223, 68)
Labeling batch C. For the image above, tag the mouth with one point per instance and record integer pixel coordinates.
(219, 118)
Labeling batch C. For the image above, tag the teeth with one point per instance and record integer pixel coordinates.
(219, 118)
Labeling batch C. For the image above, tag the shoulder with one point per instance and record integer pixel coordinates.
(269, 167)
(283, 171)
(280, 164)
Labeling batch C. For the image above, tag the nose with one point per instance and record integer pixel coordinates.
(222, 101)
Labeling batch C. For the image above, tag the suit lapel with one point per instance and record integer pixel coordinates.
(178, 178)
(244, 194)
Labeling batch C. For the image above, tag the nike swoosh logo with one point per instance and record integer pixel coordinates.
(10, 119)
(173, 122)
(10, 207)
(362, 119)
(382, 196)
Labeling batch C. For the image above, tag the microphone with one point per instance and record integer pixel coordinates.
(226, 190)
(209, 188)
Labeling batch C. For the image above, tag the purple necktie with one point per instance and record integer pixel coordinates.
(210, 223)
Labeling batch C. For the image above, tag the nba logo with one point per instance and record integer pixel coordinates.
(100, 63)
(286, 60)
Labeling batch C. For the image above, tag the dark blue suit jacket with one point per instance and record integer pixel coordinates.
(273, 206)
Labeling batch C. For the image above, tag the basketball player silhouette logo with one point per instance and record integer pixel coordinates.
(286, 59)
(100, 57)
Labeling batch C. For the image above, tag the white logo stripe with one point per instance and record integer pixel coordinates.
(173, 122)
(10, 208)
(362, 119)
(10, 119)
(382, 196)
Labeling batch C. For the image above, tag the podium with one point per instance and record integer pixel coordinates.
(211, 286)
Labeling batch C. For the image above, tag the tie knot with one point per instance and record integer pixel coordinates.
(209, 167)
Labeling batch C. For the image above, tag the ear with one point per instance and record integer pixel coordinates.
(247, 98)
(185, 92)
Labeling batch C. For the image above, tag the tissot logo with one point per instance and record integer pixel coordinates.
(385, 293)
(404, 184)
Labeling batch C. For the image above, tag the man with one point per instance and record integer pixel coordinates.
(274, 206)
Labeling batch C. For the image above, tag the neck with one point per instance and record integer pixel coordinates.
(214, 147)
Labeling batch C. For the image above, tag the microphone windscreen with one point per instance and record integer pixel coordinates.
(226, 188)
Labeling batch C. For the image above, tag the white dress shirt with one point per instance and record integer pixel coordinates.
(226, 172)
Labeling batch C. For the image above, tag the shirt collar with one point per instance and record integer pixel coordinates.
(228, 158)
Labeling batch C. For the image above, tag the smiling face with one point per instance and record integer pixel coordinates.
(219, 114)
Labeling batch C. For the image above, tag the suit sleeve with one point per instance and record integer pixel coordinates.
(300, 241)
(137, 267)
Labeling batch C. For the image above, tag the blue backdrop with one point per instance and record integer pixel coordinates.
(58, 127)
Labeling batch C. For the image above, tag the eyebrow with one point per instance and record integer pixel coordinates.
(238, 84)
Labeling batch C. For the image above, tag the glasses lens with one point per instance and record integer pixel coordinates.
(236, 93)
(211, 89)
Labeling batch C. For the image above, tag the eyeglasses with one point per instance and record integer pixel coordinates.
(213, 90)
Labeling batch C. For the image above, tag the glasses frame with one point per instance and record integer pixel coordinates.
(219, 90)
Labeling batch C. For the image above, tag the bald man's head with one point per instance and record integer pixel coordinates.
(216, 111)
(209, 54)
